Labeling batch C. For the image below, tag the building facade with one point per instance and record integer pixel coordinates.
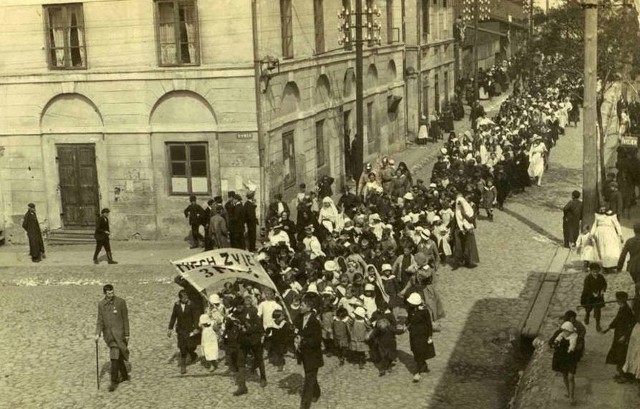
(430, 61)
(136, 104)
(500, 36)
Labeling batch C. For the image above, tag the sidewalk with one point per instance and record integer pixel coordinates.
(541, 388)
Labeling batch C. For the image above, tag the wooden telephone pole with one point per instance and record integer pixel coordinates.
(590, 137)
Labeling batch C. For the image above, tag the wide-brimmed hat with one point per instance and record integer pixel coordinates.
(408, 196)
(204, 319)
(214, 299)
(369, 287)
(331, 265)
(360, 312)
(386, 267)
(414, 299)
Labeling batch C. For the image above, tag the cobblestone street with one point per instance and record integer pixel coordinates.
(49, 318)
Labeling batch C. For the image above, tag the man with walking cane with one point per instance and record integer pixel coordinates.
(113, 325)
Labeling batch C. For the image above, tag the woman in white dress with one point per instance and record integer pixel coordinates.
(607, 235)
(536, 158)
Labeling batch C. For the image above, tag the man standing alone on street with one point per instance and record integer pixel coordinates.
(632, 248)
(194, 212)
(113, 325)
(572, 215)
(102, 237)
(32, 227)
(308, 343)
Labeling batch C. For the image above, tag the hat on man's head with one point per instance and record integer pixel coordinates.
(408, 196)
(31, 206)
(105, 210)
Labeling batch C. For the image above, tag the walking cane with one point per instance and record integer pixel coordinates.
(97, 367)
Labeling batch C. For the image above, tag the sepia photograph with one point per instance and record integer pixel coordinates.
(331, 204)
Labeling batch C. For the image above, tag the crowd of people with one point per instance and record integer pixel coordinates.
(353, 276)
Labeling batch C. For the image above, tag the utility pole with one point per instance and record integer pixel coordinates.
(590, 143)
(359, 159)
(476, 17)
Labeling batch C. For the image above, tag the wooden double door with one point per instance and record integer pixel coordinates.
(78, 184)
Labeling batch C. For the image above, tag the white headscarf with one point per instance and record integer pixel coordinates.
(329, 213)
(463, 212)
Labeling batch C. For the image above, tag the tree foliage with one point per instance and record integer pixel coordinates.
(618, 39)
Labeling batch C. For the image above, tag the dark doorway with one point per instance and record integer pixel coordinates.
(346, 134)
(78, 184)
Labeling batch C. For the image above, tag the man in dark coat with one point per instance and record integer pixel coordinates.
(572, 215)
(194, 212)
(185, 318)
(251, 220)
(615, 200)
(236, 222)
(250, 341)
(622, 325)
(206, 218)
(32, 226)
(102, 237)
(632, 248)
(113, 325)
(308, 343)
(276, 208)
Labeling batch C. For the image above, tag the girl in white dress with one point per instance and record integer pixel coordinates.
(536, 158)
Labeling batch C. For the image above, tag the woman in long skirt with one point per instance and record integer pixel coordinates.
(536, 159)
(465, 249)
(564, 357)
(607, 234)
(632, 362)
(420, 333)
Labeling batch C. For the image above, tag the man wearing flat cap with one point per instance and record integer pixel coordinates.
(102, 237)
(32, 227)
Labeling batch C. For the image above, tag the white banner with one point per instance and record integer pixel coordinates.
(213, 268)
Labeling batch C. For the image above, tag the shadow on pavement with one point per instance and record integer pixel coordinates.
(292, 384)
(536, 228)
(482, 371)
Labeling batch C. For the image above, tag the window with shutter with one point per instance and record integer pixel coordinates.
(286, 28)
(320, 159)
(65, 36)
(390, 21)
(425, 19)
(288, 159)
(177, 35)
(318, 15)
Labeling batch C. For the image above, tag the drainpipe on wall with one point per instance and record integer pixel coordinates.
(262, 152)
(419, 24)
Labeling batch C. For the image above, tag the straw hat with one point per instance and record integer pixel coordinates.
(414, 299)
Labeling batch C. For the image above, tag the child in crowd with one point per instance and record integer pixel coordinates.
(208, 342)
(586, 248)
(340, 329)
(358, 332)
(280, 335)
